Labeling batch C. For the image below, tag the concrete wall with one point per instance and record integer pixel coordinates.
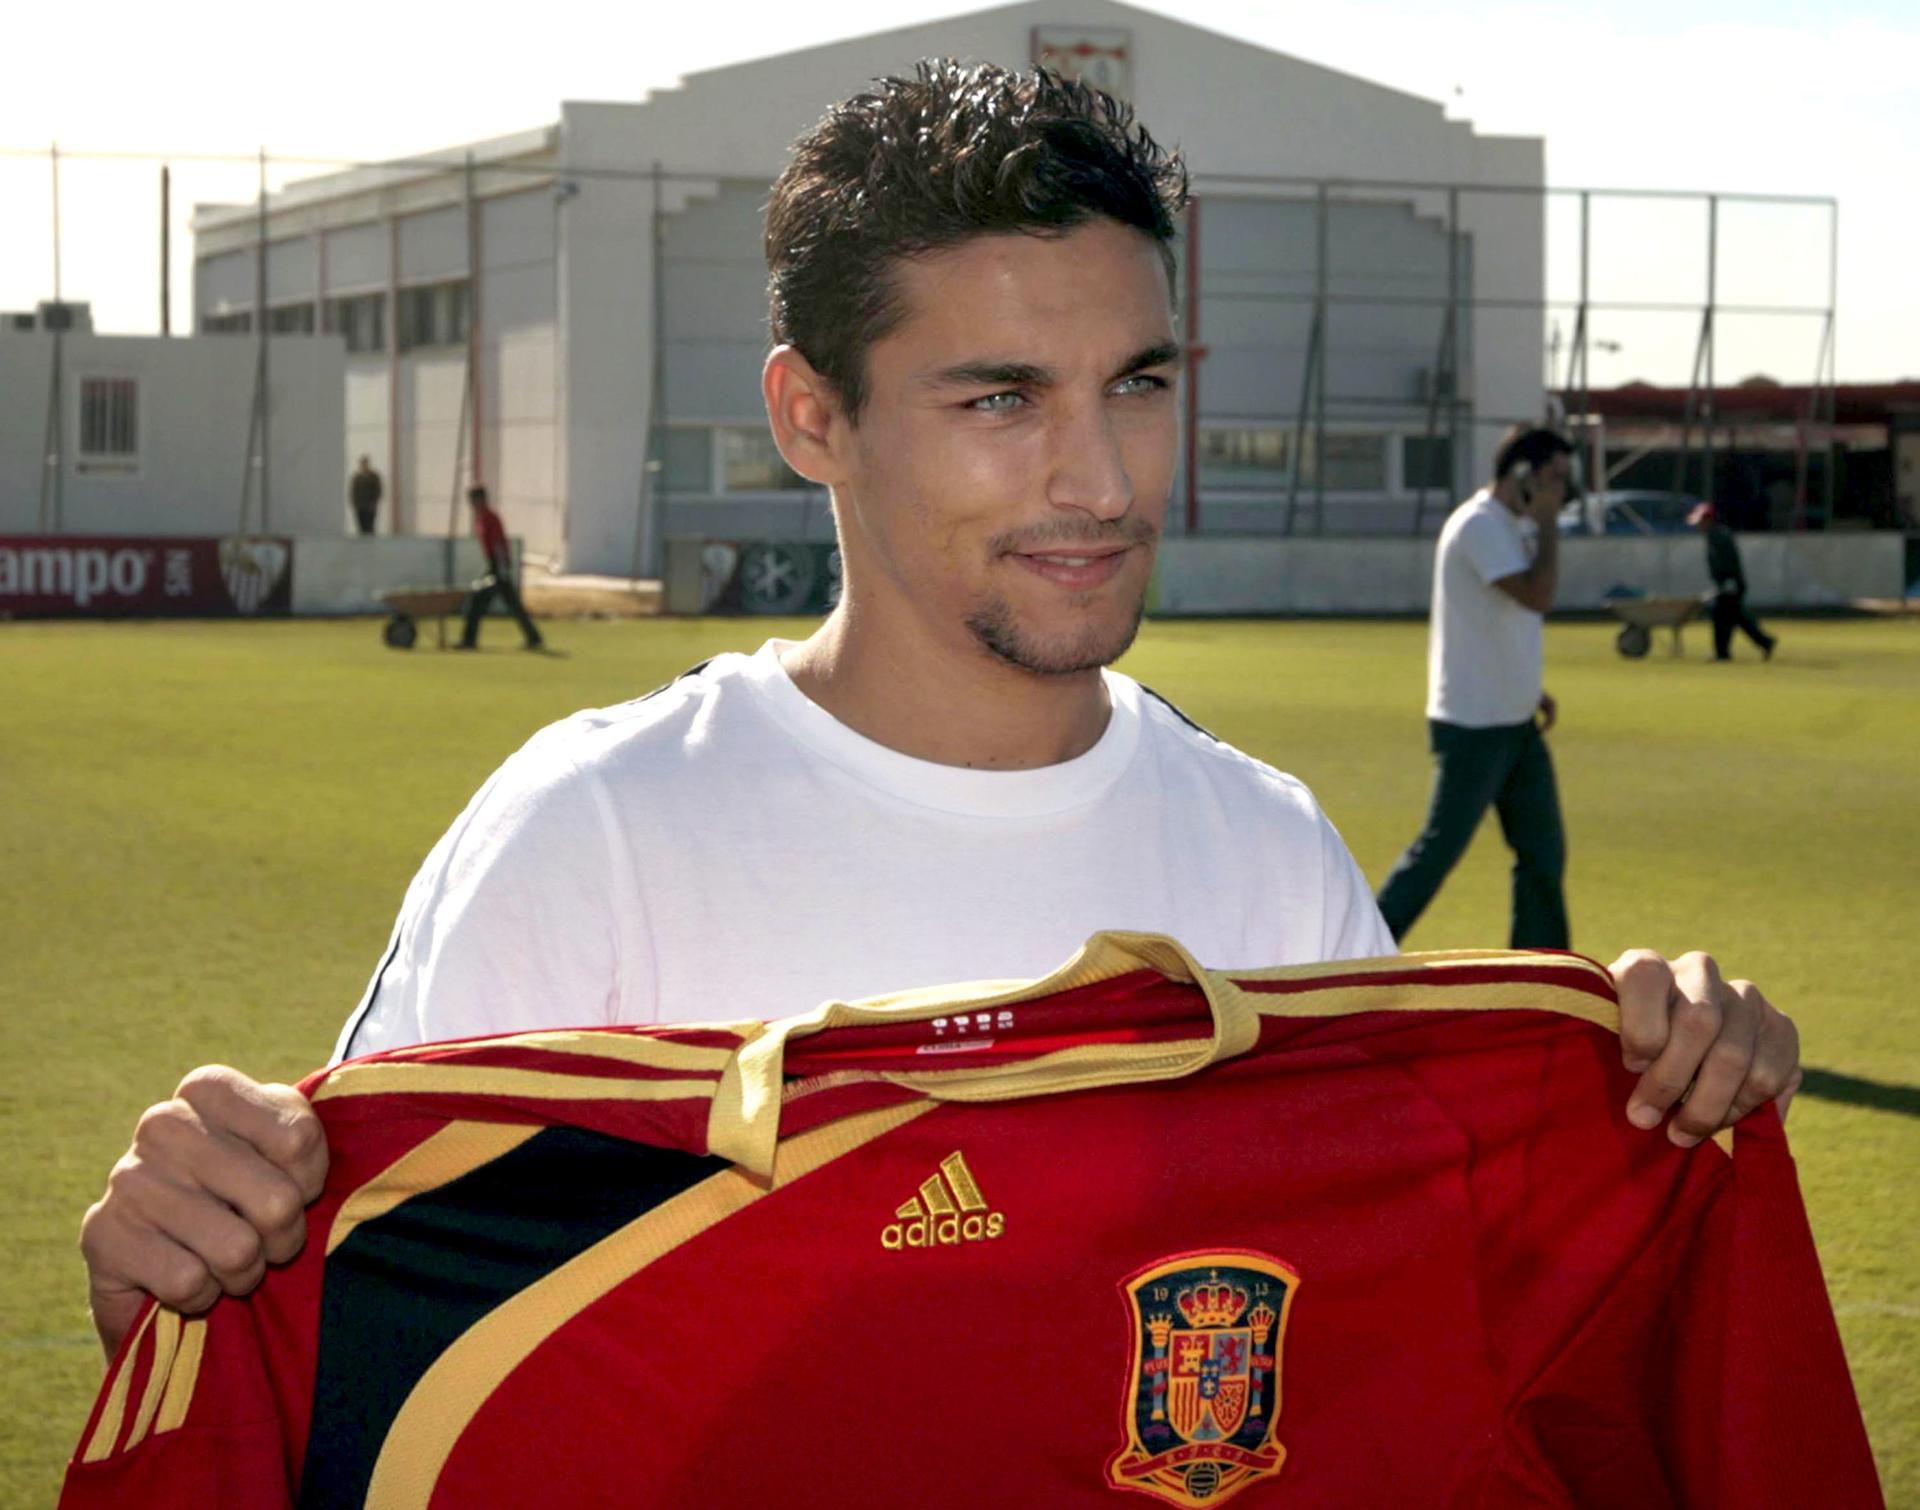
(1224, 575)
(335, 575)
(194, 402)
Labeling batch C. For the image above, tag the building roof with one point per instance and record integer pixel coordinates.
(1759, 401)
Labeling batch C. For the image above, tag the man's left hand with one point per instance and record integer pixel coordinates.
(1549, 711)
(1715, 1048)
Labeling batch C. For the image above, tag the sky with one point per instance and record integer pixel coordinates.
(1765, 96)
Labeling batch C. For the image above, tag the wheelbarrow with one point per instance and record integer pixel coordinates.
(407, 604)
(1641, 616)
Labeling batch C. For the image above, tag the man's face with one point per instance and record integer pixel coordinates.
(1008, 477)
(1551, 480)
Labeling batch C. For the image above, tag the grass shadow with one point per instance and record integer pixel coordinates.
(1829, 1085)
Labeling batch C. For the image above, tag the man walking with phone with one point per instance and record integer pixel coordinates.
(1487, 710)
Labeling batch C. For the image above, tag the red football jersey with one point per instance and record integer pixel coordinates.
(1347, 1235)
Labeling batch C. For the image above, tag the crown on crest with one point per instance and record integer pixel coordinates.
(1214, 1303)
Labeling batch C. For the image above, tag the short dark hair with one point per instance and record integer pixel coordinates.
(1535, 447)
(476, 494)
(919, 164)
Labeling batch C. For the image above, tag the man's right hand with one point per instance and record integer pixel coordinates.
(213, 1190)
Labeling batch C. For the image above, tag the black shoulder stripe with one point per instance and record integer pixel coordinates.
(373, 988)
(690, 671)
(1181, 716)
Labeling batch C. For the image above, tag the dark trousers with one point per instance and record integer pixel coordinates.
(1509, 769)
(365, 515)
(1730, 613)
(500, 584)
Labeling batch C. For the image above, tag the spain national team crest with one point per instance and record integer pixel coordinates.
(1204, 1387)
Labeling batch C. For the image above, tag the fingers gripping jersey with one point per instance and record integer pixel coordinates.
(1348, 1235)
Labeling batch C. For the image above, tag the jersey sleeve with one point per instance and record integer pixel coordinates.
(1710, 1374)
(186, 1417)
(1492, 552)
(510, 923)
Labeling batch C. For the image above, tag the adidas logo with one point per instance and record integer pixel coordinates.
(948, 1210)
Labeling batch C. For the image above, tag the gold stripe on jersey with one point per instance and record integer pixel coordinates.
(166, 1340)
(114, 1412)
(623, 1048)
(183, 1376)
(445, 1399)
(1428, 993)
(382, 1078)
(456, 1149)
(743, 1124)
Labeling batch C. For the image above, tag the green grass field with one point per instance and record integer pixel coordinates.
(207, 828)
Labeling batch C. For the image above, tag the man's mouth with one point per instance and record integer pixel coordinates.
(1082, 569)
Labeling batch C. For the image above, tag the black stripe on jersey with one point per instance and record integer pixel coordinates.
(405, 1286)
(690, 671)
(359, 1014)
(373, 989)
(1169, 706)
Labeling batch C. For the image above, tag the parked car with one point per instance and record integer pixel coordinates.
(1628, 512)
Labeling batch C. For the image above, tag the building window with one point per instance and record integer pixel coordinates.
(1246, 457)
(751, 463)
(238, 323)
(1426, 463)
(291, 319)
(687, 458)
(1354, 463)
(361, 319)
(109, 424)
(721, 459)
(1260, 459)
(434, 314)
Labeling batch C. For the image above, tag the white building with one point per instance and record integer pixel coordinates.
(151, 436)
(620, 292)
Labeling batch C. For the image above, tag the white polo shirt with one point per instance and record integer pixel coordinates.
(727, 849)
(1483, 649)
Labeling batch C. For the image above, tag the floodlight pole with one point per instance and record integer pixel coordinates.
(166, 251)
(1313, 372)
(1195, 351)
(649, 517)
(1596, 458)
(1437, 378)
(263, 372)
(1830, 480)
(392, 333)
(53, 471)
(1320, 374)
(474, 379)
(1708, 484)
(1451, 391)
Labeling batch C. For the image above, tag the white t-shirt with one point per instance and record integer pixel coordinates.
(727, 849)
(1483, 650)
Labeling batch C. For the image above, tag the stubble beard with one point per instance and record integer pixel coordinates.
(997, 629)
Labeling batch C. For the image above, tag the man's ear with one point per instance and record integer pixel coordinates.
(804, 412)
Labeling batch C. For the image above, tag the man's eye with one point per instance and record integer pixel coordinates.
(1140, 382)
(996, 403)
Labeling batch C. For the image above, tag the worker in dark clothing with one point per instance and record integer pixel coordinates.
(363, 492)
(499, 578)
(1729, 587)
